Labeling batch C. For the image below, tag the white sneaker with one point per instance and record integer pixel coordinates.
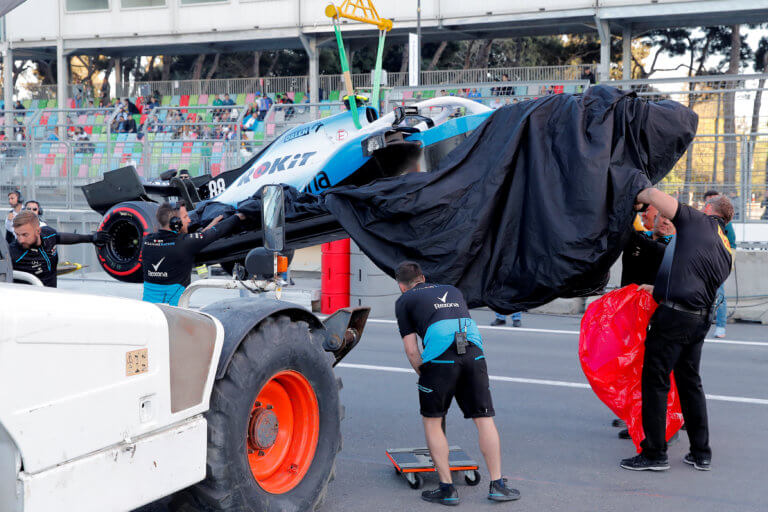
(719, 332)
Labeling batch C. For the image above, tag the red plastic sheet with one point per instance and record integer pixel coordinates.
(611, 349)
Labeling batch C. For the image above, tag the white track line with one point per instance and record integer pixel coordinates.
(513, 330)
(544, 382)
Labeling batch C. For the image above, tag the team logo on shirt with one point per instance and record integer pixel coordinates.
(443, 304)
(154, 272)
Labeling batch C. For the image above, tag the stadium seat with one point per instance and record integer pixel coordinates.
(202, 99)
(240, 99)
(250, 98)
(184, 100)
(165, 101)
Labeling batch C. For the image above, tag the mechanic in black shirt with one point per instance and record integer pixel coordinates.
(168, 255)
(437, 313)
(695, 264)
(34, 249)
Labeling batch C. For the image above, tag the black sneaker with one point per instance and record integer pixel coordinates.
(498, 322)
(640, 463)
(500, 492)
(517, 323)
(618, 423)
(445, 497)
(624, 434)
(700, 463)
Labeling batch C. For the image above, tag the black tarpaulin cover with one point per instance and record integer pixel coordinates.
(534, 205)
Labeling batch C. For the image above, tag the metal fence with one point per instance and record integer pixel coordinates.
(724, 103)
(279, 84)
(702, 168)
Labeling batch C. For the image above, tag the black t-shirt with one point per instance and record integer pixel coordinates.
(40, 261)
(641, 258)
(701, 263)
(168, 257)
(426, 304)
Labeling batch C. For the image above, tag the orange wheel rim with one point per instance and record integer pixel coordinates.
(282, 432)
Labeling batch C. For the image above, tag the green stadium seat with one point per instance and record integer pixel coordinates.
(240, 99)
(193, 100)
(165, 101)
(334, 95)
(298, 97)
(27, 104)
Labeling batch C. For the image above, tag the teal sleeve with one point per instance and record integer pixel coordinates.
(731, 235)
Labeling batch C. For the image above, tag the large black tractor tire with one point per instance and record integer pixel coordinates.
(279, 356)
(127, 224)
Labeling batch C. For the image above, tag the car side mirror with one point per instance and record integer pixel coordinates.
(273, 217)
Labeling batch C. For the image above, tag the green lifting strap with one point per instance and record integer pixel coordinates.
(377, 71)
(347, 76)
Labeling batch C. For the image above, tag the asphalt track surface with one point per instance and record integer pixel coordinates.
(559, 448)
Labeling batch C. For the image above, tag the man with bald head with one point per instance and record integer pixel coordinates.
(695, 263)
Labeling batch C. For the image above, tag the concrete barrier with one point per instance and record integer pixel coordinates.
(369, 286)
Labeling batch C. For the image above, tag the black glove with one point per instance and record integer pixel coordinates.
(101, 238)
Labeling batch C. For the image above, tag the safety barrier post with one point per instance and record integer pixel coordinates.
(334, 286)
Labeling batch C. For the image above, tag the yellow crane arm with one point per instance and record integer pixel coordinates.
(359, 10)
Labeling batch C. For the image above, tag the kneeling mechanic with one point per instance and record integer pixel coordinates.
(452, 364)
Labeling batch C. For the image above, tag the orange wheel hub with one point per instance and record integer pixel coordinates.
(283, 431)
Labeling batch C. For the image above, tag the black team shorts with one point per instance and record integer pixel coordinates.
(452, 375)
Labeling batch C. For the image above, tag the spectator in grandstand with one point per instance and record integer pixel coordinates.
(18, 105)
(721, 302)
(473, 94)
(20, 132)
(34, 207)
(228, 101)
(14, 201)
(152, 103)
(588, 75)
(83, 141)
(151, 124)
(249, 119)
(53, 135)
(187, 133)
(504, 90)
(262, 106)
(130, 107)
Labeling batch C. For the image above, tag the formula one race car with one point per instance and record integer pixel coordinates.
(311, 157)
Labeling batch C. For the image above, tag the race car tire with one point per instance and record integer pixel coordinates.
(259, 458)
(127, 224)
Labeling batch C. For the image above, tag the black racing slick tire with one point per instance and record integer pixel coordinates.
(126, 224)
(279, 385)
